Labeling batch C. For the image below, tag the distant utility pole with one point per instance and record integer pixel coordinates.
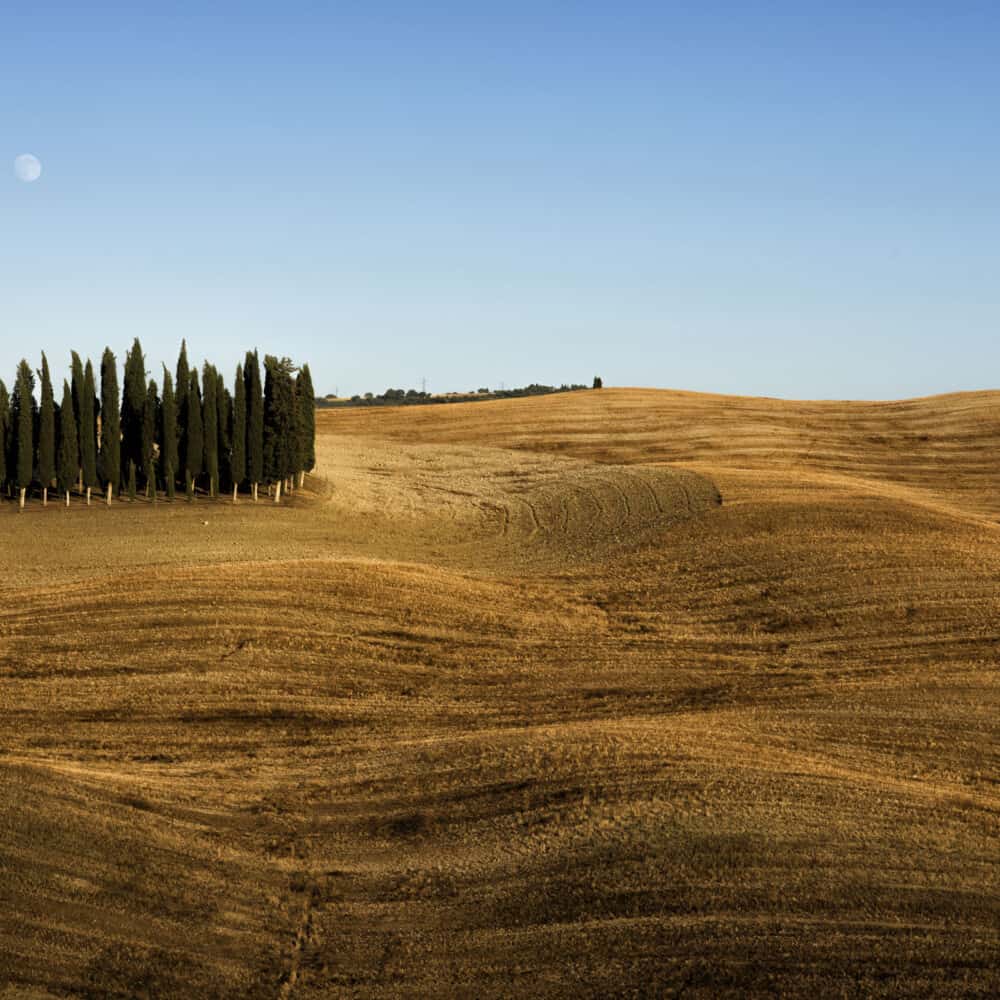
(423, 384)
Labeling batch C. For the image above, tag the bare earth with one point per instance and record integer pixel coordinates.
(507, 703)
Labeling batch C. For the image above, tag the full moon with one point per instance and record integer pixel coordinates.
(27, 168)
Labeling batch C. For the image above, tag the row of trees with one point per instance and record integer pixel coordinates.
(193, 434)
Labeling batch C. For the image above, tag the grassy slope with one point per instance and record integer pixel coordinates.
(472, 721)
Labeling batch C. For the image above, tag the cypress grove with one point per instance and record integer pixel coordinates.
(232, 439)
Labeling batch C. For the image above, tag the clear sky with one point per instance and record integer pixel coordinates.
(779, 198)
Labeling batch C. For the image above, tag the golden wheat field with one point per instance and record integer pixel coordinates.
(610, 693)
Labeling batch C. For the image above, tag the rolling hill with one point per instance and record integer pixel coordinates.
(618, 692)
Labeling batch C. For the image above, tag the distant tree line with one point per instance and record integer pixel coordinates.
(413, 397)
(193, 434)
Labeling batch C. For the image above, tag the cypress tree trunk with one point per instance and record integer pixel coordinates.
(45, 496)
(109, 493)
(235, 490)
(67, 498)
(170, 482)
(277, 492)
(24, 494)
(131, 480)
(88, 496)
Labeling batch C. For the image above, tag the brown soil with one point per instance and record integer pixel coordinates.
(506, 702)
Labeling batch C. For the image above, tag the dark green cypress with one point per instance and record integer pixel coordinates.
(194, 455)
(87, 431)
(224, 406)
(76, 369)
(69, 444)
(255, 421)
(307, 419)
(278, 421)
(181, 385)
(238, 456)
(168, 433)
(24, 415)
(293, 450)
(4, 433)
(111, 435)
(210, 427)
(46, 433)
(183, 369)
(133, 405)
(149, 439)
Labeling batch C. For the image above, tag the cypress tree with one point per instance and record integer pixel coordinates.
(24, 409)
(210, 427)
(133, 405)
(46, 433)
(307, 422)
(224, 406)
(110, 461)
(183, 369)
(181, 385)
(76, 368)
(69, 446)
(279, 390)
(168, 433)
(238, 457)
(293, 449)
(149, 439)
(87, 430)
(194, 455)
(255, 421)
(4, 433)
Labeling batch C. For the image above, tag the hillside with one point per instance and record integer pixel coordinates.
(619, 692)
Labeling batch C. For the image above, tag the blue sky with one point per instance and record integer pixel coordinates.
(791, 199)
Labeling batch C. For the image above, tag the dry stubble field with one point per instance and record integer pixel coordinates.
(509, 703)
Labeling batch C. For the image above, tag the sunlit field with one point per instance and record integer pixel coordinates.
(616, 692)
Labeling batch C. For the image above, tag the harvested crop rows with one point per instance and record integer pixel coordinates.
(618, 692)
